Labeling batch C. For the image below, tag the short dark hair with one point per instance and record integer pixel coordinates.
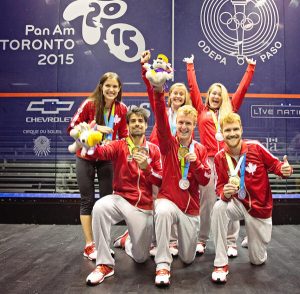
(139, 111)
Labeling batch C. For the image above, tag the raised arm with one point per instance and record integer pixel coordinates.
(164, 134)
(238, 96)
(192, 82)
(145, 57)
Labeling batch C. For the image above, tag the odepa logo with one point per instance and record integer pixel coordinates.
(239, 28)
(50, 106)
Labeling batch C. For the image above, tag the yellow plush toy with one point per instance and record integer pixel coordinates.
(86, 138)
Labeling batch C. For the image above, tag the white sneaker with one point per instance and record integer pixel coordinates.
(173, 248)
(245, 242)
(162, 278)
(153, 250)
(232, 251)
(219, 275)
(200, 249)
(97, 276)
(119, 242)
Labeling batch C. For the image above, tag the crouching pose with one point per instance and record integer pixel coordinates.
(185, 166)
(242, 184)
(137, 166)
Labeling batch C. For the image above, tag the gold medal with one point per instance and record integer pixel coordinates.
(235, 180)
(182, 152)
(135, 150)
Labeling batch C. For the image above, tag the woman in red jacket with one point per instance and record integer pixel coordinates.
(217, 104)
(104, 106)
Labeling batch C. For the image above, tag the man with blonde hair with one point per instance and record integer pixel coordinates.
(243, 186)
(185, 166)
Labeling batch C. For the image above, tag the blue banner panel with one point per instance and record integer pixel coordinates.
(54, 51)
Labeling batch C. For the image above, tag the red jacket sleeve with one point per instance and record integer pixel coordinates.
(164, 134)
(153, 172)
(221, 176)
(239, 95)
(107, 152)
(85, 113)
(272, 163)
(122, 130)
(193, 87)
(200, 168)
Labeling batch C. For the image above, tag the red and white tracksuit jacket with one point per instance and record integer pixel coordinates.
(86, 113)
(259, 161)
(131, 182)
(206, 125)
(199, 171)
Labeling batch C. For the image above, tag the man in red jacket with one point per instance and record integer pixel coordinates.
(243, 186)
(185, 167)
(137, 166)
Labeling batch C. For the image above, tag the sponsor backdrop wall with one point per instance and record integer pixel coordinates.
(53, 52)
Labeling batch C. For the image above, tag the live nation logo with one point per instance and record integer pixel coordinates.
(239, 29)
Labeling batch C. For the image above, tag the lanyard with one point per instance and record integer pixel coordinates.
(216, 121)
(172, 121)
(234, 171)
(109, 120)
(184, 166)
(130, 145)
(242, 193)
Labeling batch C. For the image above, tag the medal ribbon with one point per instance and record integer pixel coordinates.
(172, 121)
(130, 144)
(216, 121)
(234, 171)
(184, 166)
(242, 180)
(109, 120)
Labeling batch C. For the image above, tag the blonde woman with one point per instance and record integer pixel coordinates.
(217, 104)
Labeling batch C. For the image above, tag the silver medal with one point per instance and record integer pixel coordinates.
(184, 184)
(242, 194)
(219, 137)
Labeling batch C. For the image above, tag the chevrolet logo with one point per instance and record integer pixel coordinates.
(50, 106)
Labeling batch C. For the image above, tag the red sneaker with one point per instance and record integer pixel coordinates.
(119, 242)
(90, 251)
(162, 278)
(219, 275)
(97, 276)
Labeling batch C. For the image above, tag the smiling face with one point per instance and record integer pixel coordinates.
(137, 125)
(232, 133)
(185, 125)
(177, 97)
(110, 89)
(215, 97)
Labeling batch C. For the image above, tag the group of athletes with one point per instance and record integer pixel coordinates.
(173, 192)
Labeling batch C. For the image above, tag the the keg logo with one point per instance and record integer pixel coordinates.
(240, 28)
